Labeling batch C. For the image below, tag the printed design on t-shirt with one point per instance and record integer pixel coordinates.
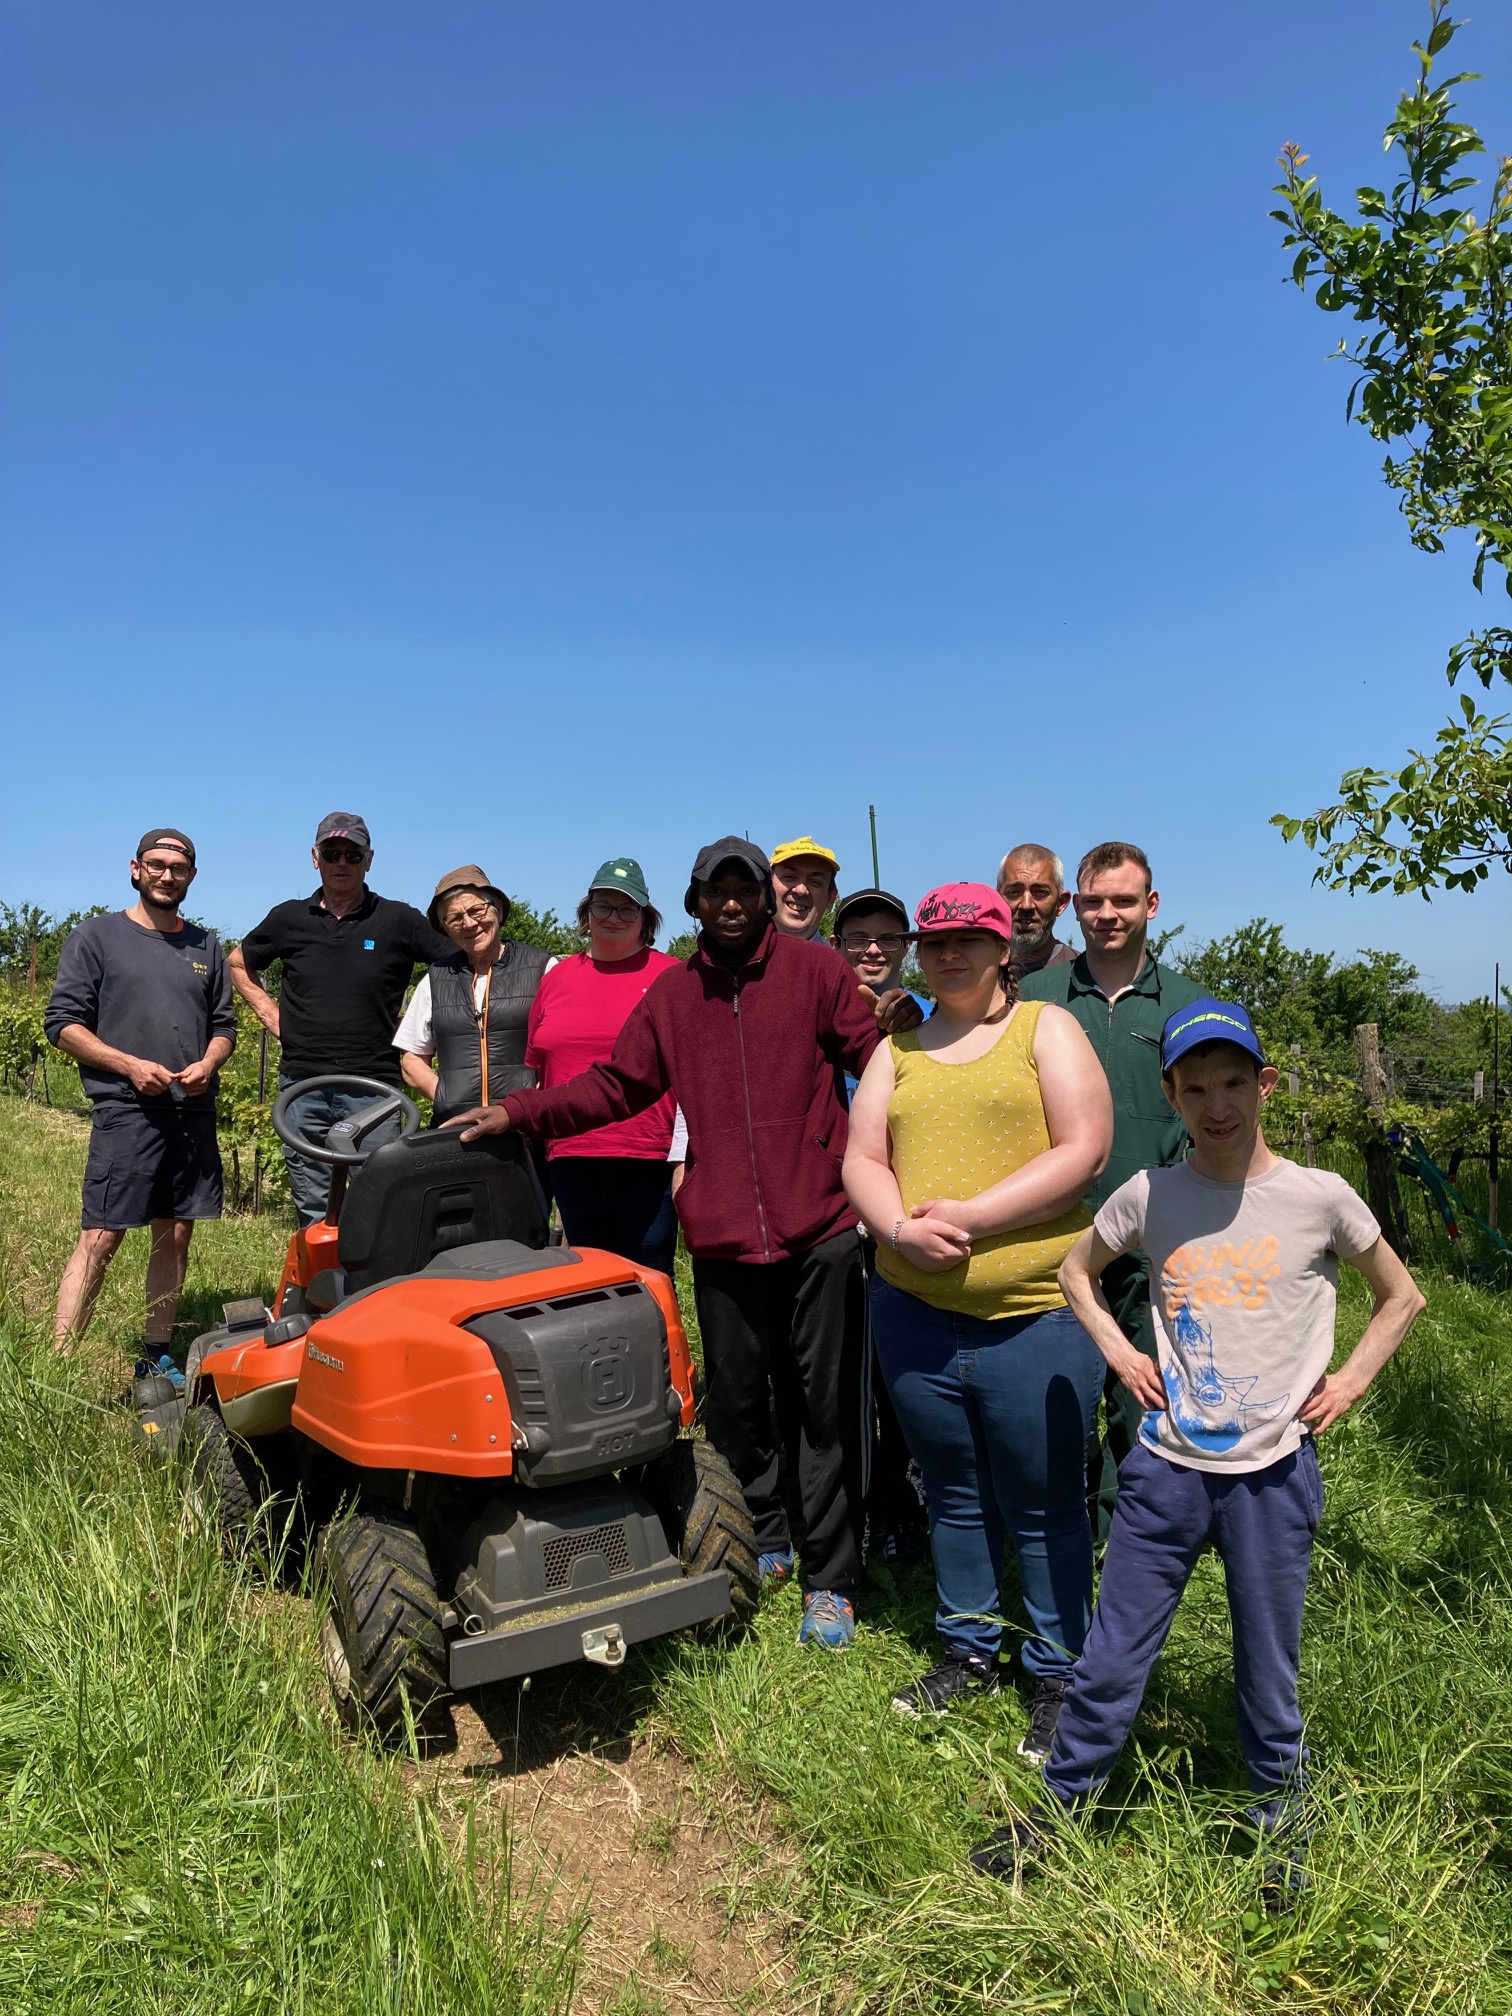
(1212, 1411)
(1220, 1273)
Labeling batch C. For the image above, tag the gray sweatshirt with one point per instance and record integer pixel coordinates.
(153, 994)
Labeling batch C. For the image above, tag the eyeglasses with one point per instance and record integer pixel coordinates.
(177, 868)
(479, 914)
(624, 913)
(350, 857)
(890, 942)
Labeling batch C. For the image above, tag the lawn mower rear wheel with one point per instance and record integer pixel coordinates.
(382, 1638)
(694, 1493)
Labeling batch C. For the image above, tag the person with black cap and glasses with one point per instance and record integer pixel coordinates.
(751, 1035)
(348, 956)
(871, 932)
(142, 1002)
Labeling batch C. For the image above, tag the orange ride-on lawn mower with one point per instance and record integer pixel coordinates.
(481, 1428)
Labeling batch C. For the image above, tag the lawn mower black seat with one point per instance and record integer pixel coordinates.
(417, 1198)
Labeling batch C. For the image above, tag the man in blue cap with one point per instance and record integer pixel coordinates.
(1244, 1252)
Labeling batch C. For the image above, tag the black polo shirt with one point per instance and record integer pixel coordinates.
(343, 980)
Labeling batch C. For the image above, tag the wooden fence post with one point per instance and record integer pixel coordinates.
(262, 1093)
(1372, 1077)
(1383, 1193)
(1293, 1081)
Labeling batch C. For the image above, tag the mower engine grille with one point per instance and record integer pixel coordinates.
(559, 1554)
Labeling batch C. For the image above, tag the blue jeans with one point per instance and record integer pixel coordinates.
(998, 1414)
(1262, 1524)
(310, 1181)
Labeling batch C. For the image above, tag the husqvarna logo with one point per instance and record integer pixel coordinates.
(608, 1377)
(324, 1358)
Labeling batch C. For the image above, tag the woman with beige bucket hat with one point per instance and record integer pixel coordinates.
(463, 1033)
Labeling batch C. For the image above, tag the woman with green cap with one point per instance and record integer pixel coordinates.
(613, 1186)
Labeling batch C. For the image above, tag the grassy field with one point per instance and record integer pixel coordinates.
(181, 1828)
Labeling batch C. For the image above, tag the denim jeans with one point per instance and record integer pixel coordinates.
(998, 1414)
(311, 1116)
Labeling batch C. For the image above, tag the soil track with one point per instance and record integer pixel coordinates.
(682, 1903)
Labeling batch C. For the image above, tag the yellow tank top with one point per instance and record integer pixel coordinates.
(956, 1130)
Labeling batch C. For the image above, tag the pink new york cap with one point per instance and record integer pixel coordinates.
(964, 906)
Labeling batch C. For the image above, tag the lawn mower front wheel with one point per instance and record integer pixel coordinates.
(382, 1638)
(229, 1486)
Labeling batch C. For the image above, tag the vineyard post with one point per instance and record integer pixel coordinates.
(1383, 1194)
(1493, 1142)
(1293, 1079)
(262, 1093)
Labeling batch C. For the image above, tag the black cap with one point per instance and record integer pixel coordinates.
(160, 836)
(714, 856)
(870, 899)
(344, 826)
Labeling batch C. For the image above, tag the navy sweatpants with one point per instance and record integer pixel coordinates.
(1262, 1525)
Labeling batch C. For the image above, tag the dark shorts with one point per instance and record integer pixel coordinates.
(150, 1162)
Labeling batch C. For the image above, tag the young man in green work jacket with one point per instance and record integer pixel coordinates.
(1121, 994)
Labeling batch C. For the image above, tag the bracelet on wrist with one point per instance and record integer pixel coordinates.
(897, 1228)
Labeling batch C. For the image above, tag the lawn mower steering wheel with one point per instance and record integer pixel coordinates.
(342, 1146)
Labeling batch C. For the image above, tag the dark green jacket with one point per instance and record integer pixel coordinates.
(1125, 1033)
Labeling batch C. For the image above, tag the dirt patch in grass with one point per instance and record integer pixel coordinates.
(683, 1902)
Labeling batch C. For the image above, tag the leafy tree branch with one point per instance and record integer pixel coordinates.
(1433, 381)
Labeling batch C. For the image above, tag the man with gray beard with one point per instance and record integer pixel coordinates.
(1032, 882)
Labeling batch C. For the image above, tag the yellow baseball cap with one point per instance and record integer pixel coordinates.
(805, 846)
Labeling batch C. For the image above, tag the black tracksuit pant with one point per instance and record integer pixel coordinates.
(794, 1329)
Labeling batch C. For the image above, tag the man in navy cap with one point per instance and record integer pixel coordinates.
(348, 955)
(142, 1001)
(1244, 1250)
(751, 1036)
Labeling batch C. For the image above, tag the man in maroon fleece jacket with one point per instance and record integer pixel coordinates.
(754, 1035)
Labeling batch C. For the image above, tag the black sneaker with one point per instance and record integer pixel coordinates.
(1286, 1882)
(953, 1679)
(1044, 1713)
(906, 1546)
(1024, 1840)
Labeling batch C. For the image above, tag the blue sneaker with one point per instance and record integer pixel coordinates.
(829, 1619)
(777, 1567)
(160, 1368)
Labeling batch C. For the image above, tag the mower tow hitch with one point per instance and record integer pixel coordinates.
(605, 1647)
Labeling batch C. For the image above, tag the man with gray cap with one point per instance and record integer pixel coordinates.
(142, 1001)
(752, 1036)
(348, 955)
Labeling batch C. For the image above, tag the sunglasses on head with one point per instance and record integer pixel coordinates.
(353, 857)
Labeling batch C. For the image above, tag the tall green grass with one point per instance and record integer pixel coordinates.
(182, 1829)
(1407, 1681)
(182, 1825)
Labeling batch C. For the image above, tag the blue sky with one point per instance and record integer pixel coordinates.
(558, 432)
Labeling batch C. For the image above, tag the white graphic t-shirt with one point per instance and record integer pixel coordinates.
(1244, 1284)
